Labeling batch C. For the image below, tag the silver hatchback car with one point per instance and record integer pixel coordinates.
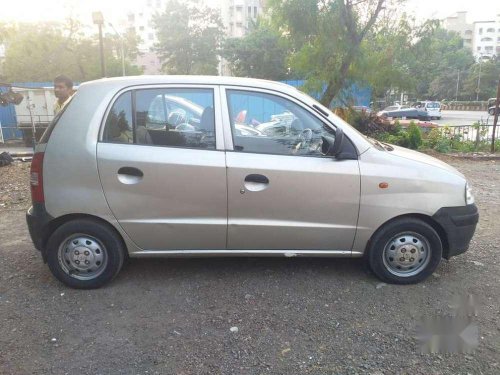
(222, 166)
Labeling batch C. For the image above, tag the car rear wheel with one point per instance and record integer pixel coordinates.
(404, 251)
(85, 254)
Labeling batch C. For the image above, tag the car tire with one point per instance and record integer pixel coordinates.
(85, 254)
(404, 251)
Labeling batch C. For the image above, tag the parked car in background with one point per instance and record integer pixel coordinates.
(362, 109)
(404, 112)
(433, 109)
(492, 106)
(169, 166)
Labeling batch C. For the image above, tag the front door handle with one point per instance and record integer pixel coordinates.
(130, 175)
(257, 178)
(256, 182)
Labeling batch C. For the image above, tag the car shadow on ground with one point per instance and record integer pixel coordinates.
(241, 268)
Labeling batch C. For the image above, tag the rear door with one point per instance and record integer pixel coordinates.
(162, 167)
(283, 194)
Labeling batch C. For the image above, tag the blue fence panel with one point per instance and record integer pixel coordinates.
(354, 95)
(8, 119)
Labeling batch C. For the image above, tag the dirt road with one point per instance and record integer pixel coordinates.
(293, 316)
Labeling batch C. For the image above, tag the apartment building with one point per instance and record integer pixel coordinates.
(140, 20)
(459, 24)
(486, 40)
(482, 37)
(238, 15)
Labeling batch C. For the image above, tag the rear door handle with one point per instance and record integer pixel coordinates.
(130, 175)
(255, 182)
(257, 178)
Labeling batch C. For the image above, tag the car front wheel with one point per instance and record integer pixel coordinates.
(85, 254)
(404, 251)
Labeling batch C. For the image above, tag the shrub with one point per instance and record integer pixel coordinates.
(414, 136)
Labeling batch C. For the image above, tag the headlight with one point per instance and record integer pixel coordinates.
(469, 198)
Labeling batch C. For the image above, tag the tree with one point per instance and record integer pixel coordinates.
(260, 54)
(382, 64)
(436, 59)
(490, 74)
(189, 37)
(40, 52)
(326, 37)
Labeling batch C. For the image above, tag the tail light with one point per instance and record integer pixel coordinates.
(36, 178)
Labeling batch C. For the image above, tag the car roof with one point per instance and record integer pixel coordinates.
(122, 82)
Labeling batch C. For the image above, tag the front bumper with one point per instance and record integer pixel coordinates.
(459, 225)
(38, 221)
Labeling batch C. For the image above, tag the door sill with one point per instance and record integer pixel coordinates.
(246, 253)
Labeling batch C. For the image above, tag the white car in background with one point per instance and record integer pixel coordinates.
(433, 109)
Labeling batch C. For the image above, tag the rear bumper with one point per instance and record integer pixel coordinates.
(459, 224)
(38, 221)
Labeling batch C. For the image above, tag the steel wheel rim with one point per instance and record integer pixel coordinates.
(82, 256)
(406, 254)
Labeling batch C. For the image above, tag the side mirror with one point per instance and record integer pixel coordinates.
(331, 146)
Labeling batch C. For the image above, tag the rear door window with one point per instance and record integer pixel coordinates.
(163, 117)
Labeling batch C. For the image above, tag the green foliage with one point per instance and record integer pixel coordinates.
(40, 52)
(490, 74)
(325, 38)
(190, 36)
(414, 136)
(260, 54)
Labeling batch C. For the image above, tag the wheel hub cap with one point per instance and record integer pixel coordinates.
(82, 257)
(406, 254)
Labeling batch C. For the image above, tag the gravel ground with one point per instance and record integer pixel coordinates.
(293, 316)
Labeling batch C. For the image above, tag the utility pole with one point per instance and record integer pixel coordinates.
(458, 82)
(98, 19)
(478, 81)
(495, 121)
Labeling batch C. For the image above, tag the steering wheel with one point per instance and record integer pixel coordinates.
(304, 140)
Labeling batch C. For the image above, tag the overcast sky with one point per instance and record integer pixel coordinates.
(39, 10)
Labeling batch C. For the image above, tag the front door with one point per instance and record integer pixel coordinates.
(282, 192)
(162, 168)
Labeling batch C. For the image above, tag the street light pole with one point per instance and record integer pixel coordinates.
(122, 47)
(458, 82)
(478, 81)
(98, 19)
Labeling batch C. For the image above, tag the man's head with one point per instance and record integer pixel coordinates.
(63, 87)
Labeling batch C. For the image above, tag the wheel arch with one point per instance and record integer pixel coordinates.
(61, 220)
(425, 218)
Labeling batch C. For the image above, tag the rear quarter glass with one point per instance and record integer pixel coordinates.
(46, 135)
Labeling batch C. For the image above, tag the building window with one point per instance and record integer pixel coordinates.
(151, 36)
(479, 48)
(490, 30)
(249, 11)
(141, 28)
(468, 32)
(487, 39)
(255, 12)
(239, 9)
(480, 30)
(231, 12)
(488, 48)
